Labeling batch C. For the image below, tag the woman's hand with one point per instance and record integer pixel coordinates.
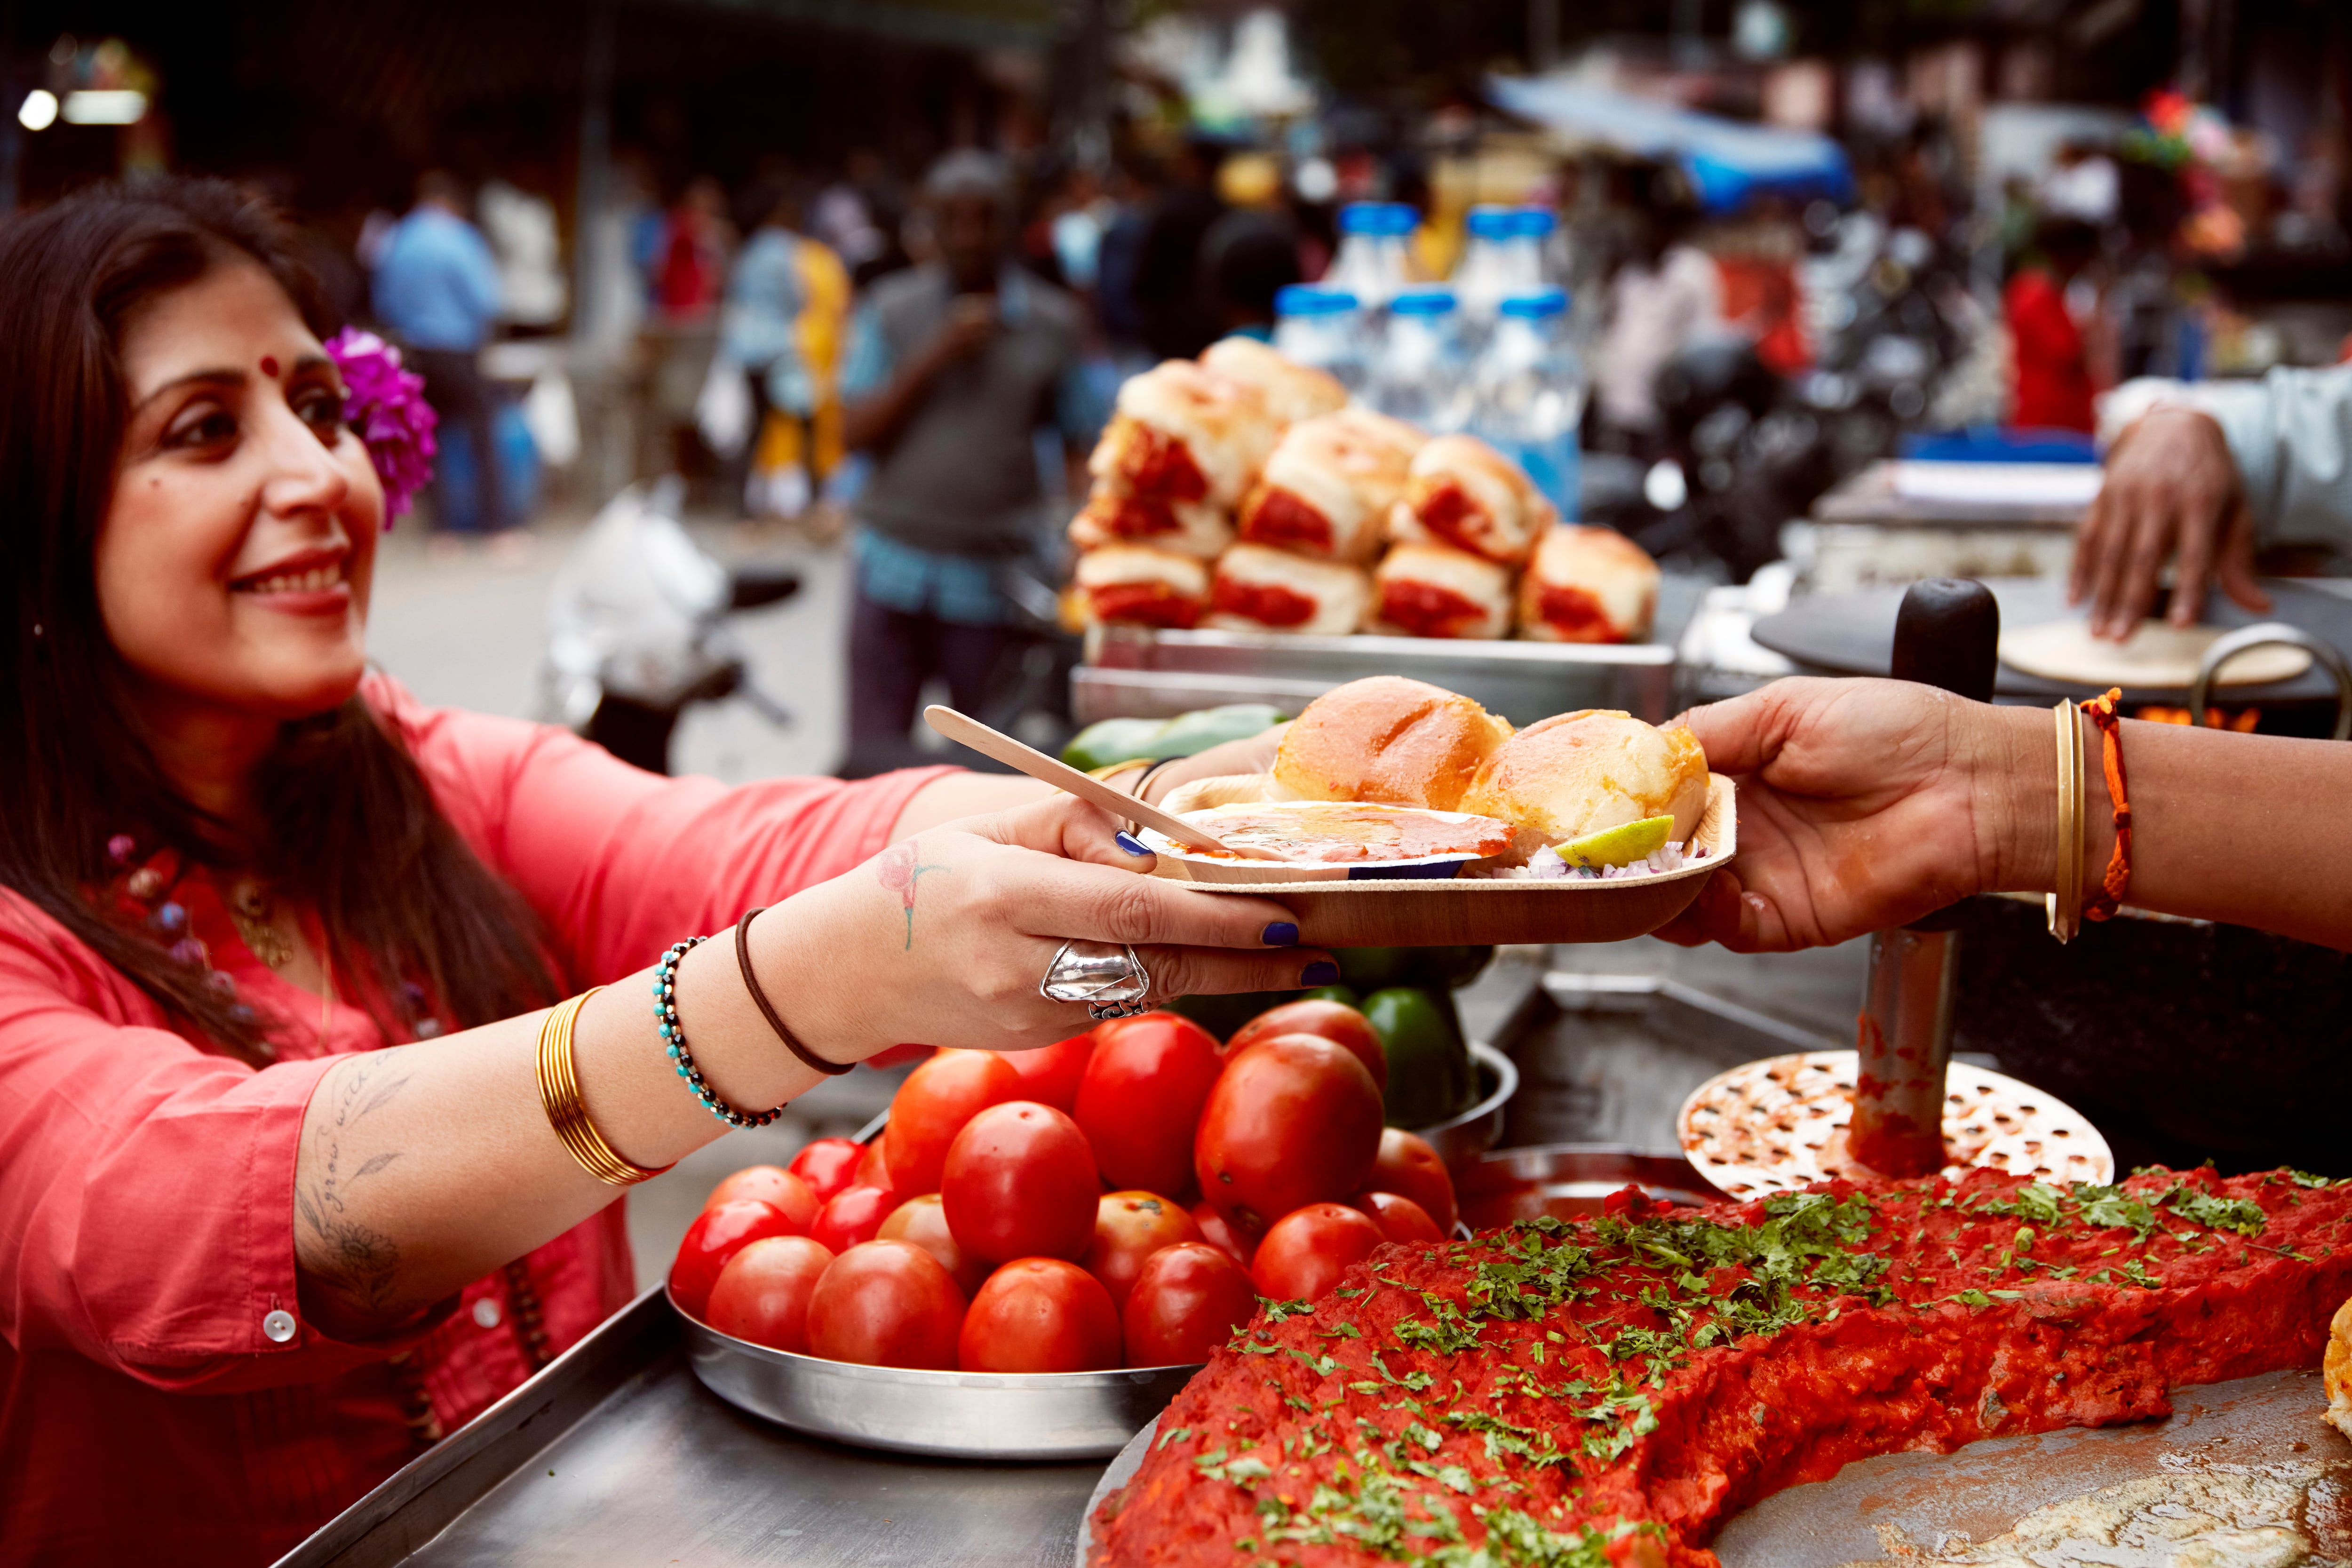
(943, 939)
(1253, 754)
(1864, 805)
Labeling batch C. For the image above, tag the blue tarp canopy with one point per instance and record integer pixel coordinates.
(1726, 162)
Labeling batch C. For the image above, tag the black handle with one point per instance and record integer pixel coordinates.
(1948, 634)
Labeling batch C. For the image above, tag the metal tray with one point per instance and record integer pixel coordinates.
(953, 1415)
(1143, 672)
(1477, 1130)
(1567, 1181)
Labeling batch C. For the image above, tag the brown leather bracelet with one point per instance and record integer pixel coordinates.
(750, 982)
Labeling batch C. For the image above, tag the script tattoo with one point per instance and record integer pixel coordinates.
(360, 1263)
(898, 869)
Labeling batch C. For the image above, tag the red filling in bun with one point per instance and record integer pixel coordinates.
(1267, 603)
(1147, 604)
(1281, 518)
(1448, 511)
(1575, 614)
(1426, 610)
(1153, 464)
(1136, 516)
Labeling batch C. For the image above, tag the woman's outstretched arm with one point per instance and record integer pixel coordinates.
(1864, 804)
(423, 1167)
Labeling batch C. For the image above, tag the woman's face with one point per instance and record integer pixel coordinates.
(233, 561)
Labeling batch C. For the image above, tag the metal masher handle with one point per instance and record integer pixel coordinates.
(2274, 634)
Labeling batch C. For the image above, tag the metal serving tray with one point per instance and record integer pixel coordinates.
(1141, 672)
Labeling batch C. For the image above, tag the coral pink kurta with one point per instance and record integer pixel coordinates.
(146, 1184)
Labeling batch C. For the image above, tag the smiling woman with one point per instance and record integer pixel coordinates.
(280, 1090)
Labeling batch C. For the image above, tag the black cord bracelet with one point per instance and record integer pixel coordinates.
(750, 982)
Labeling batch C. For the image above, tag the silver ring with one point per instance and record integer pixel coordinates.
(1106, 976)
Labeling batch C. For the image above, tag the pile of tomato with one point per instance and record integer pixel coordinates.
(1123, 1198)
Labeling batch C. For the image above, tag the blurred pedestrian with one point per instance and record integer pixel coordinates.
(691, 274)
(2051, 389)
(955, 367)
(1247, 258)
(437, 288)
(1168, 288)
(786, 312)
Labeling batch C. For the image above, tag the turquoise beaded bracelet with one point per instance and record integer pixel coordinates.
(673, 1036)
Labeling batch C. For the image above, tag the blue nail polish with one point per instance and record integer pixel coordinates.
(1130, 843)
(1322, 972)
(1281, 933)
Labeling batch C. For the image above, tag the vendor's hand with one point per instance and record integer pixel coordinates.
(2171, 488)
(972, 322)
(943, 939)
(1863, 805)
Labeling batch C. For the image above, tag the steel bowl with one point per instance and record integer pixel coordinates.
(1567, 1181)
(1463, 1138)
(950, 1414)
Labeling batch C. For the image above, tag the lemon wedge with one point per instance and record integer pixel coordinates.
(1619, 846)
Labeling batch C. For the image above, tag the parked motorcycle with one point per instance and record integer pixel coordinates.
(637, 629)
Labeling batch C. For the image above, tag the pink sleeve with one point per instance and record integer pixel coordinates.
(619, 862)
(146, 1187)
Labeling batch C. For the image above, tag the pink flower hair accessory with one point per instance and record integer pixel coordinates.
(386, 406)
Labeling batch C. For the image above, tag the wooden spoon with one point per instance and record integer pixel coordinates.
(970, 731)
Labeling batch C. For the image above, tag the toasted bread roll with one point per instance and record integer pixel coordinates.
(1191, 528)
(1326, 488)
(1260, 590)
(1576, 773)
(2336, 1369)
(1186, 433)
(1588, 584)
(1292, 391)
(1138, 583)
(1388, 739)
(1463, 492)
(1436, 591)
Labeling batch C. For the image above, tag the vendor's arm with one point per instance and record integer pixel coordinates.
(2208, 474)
(1866, 803)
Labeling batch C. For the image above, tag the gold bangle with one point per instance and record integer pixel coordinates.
(558, 1096)
(2065, 901)
(1111, 771)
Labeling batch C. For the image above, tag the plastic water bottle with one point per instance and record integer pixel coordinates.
(1372, 262)
(1318, 325)
(1531, 391)
(1530, 265)
(1489, 268)
(1420, 374)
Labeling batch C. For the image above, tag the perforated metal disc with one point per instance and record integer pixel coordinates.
(1778, 1124)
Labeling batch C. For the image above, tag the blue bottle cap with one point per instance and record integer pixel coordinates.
(1364, 217)
(1536, 304)
(1312, 300)
(1423, 303)
(1534, 223)
(1489, 222)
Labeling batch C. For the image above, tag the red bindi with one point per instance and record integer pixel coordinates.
(270, 365)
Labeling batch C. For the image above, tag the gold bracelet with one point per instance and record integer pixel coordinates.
(1111, 771)
(558, 1096)
(2065, 903)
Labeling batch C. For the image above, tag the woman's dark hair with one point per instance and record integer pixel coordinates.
(354, 833)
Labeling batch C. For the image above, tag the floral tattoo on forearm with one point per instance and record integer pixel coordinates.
(898, 869)
(358, 1262)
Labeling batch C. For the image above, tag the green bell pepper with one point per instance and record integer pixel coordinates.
(1112, 741)
(1430, 1075)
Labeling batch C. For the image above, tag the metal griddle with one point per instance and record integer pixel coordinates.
(1853, 634)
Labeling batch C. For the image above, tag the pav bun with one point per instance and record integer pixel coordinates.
(1388, 739)
(1579, 772)
(1292, 391)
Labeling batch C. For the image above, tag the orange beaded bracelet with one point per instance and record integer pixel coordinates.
(2117, 881)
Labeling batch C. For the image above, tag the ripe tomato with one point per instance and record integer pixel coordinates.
(852, 1215)
(1306, 1252)
(1222, 1234)
(1335, 1021)
(762, 1294)
(769, 1183)
(1129, 1228)
(924, 1222)
(1141, 1095)
(828, 1164)
(1293, 1120)
(717, 1234)
(1188, 1301)
(931, 1107)
(873, 1167)
(1039, 1314)
(1051, 1077)
(886, 1304)
(1400, 1218)
(1020, 1183)
(1410, 1168)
